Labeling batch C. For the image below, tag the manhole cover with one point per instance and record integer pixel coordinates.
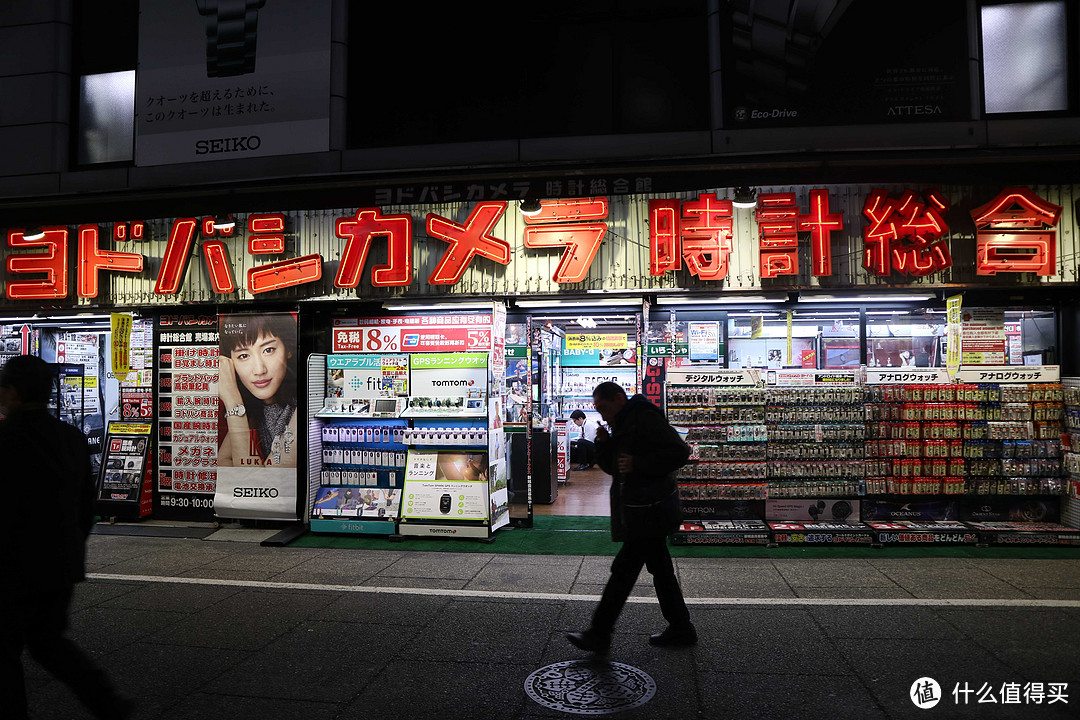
(590, 687)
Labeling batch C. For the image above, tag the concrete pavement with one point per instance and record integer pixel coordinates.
(229, 629)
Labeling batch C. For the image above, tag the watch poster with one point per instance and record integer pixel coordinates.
(123, 466)
(794, 68)
(187, 415)
(256, 413)
(446, 486)
(231, 80)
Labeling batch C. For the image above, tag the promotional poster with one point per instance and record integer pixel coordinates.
(258, 452)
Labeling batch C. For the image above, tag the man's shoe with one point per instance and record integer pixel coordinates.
(675, 636)
(589, 641)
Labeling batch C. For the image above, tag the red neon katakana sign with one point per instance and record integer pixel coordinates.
(575, 224)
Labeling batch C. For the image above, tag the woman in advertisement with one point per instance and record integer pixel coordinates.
(257, 387)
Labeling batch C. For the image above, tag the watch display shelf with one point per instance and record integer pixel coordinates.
(816, 441)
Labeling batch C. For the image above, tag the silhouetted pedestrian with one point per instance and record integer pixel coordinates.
(43, 553)
(641, 454)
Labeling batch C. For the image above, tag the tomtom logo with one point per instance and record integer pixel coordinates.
(228, 145)
(453, 383)
(250, 492)
(442, 531)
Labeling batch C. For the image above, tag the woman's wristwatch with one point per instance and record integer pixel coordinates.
(236, 411)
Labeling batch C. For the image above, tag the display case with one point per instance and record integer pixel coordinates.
(723, 487)
(412, 443)
(879, 456)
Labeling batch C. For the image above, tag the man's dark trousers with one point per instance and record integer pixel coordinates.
(38, 622)
(651, 552)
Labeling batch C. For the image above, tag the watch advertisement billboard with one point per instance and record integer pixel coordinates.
(230, 80)
(258, 449)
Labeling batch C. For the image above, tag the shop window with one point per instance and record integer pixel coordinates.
(820, 340)
(1030, 338)
(1025, 57)
(903, 338)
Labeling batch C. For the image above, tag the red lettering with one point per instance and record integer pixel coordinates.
(52, 262)
(92, 259)
(467, 241)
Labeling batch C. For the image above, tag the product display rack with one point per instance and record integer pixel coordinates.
(723, 486)
(363, 459)
(1070, 513)
(843, 458)
(816, 453)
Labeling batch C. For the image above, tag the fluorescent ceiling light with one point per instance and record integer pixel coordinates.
(822, 313)
(722, 299)
(753, 314)
(439, 306)
(906, 297)
(890, 312)
(574, 304)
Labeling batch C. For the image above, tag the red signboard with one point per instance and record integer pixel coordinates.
(435, 333)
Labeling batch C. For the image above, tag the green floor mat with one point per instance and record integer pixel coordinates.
(575, 535)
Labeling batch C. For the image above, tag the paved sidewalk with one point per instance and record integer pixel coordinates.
(229, 629)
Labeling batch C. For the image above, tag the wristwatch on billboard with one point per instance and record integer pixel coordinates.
(230, 35)
(776, 41)
(238, 411)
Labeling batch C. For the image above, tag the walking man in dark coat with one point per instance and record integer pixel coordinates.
(43, 556)
(641, 454)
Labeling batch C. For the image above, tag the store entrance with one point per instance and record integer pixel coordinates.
(575, 355)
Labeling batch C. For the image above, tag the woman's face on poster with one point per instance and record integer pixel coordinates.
(262, 367)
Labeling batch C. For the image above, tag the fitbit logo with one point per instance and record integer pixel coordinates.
(228, 145)
(453, 383)
(251, 492)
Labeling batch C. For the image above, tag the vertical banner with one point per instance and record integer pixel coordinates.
(952, 334)
(187, 360)
(499, 466)
(788, 356)
(226, 80)
(121, 345)
(258, 448)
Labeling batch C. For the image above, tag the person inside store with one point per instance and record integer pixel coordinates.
(257, 388)
(642, 454)
(43, 560)
(586, 442)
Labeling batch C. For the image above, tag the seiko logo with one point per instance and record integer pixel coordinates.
(228, 145)
(250, 492)
(453, 383)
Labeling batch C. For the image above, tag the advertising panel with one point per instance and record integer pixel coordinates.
(791, 67)
(446, 486)
(982, 339)
(123, 464)
(228, 80)
(187, 399)
(258, 450)
(704, 341)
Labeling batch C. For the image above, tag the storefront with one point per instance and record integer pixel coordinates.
(737, 316)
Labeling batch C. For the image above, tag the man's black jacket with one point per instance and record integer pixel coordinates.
(641, 431)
